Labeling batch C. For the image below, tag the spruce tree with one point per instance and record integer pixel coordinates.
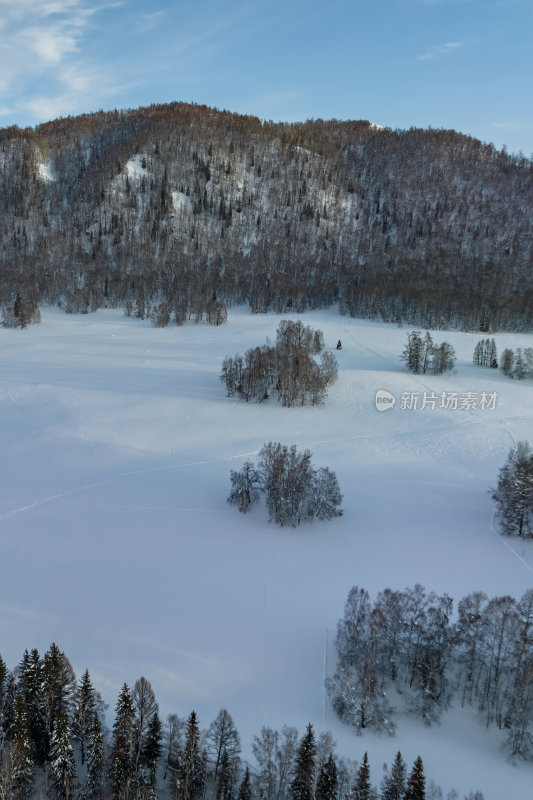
(84, 710)
(62, 767)
(22, 768)
(305, 767)
(29, 685)
(58, 686)
(362, 788)
(152, 748)
(416, 785)
(95, 760)
(245, 789)
(122, 757)
(326, 787)
(191, 782)
(393, 786)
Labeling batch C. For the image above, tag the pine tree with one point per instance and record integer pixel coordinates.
(514, 493)
(416, 785)
(507, 362)
(245, 789)
(339, 345)
(393, 786)
(326, 787)
(22, 764)
(362, 788)
(62, 768)
(122, 755)
(84, 710)
(305, 767)
(95, 760)
(191, 782)
(4, 701)
(152, 747)
(29, 685)
(58, 686)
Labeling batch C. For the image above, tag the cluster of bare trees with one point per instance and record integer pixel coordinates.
(431, 227)
(411, 641)
(287, 370)
(54, 743)
(294, 491)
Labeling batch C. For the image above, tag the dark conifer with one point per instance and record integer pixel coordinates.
(95, 760)
(245, 789)
(362, 788)
(84, 710)
(416, 785)
(122, 760)
(22, 768)
(393, 786)
(62, 767)
(305, 767)
(326, 787)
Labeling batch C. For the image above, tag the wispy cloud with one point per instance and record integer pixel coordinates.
(440, 50)
(44, 70)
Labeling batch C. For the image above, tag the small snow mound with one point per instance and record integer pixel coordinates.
(377, 127)
(46, 173)
(136, 167)
(181, 202)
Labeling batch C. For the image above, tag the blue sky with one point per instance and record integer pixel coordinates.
(463, 64)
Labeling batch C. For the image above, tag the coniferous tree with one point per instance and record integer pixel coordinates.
(393, 786)
(191, 781)
(122, 753)
(29, 684)
(514, 493)
(339, 345)
(152, 747)
(96, 762)
(84, 710)
(62, 767)
(58, 686)
(326, 787)
(22, 769)
(362, 788)
(416, 784)
(507, 362)
(245, 789)
(303, 781)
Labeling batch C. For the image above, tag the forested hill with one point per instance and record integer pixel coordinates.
(183, 204)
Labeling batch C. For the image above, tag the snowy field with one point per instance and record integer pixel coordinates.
(117, 543)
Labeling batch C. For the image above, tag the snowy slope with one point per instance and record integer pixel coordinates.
(118, 544)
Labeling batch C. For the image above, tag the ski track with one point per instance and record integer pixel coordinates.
(148, 470)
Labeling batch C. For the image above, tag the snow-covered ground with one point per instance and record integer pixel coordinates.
(117, 543)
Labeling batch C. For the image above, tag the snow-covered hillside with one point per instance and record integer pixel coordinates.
(118, 544)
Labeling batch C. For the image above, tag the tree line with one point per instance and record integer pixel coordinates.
(429, 227)
(54, 743)
(411, 644)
